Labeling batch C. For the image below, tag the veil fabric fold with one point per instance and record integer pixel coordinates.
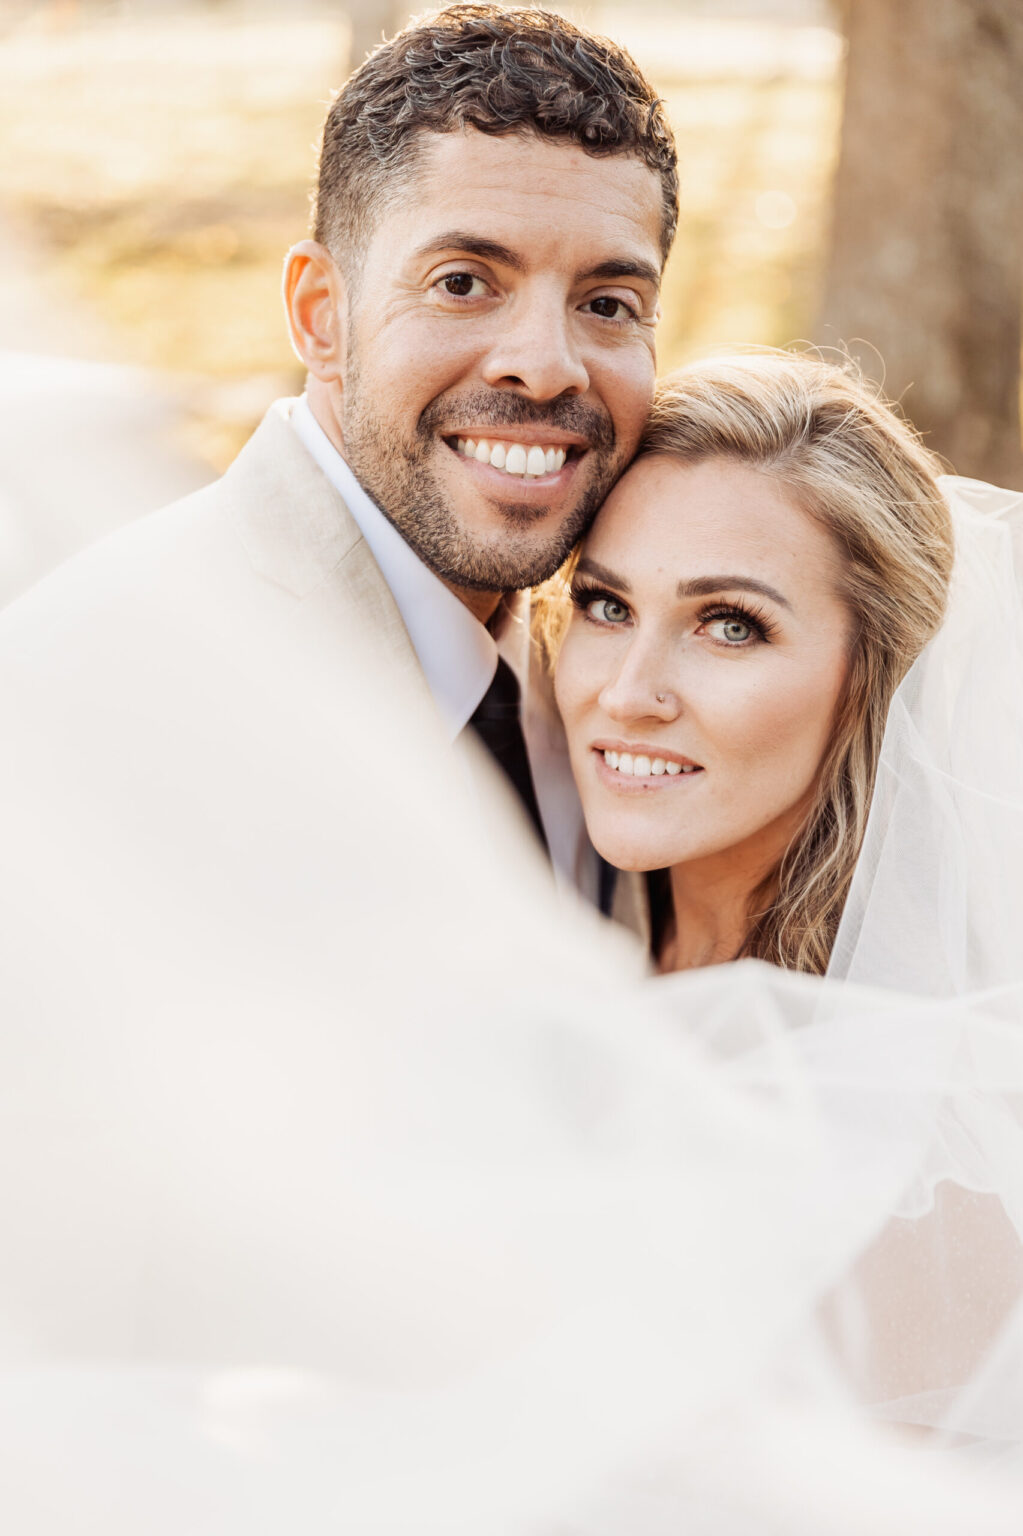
(349, 1182)
(928, 1080)
(936, 905)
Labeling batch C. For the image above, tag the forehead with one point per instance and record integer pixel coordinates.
(714, 517)
(540, 197)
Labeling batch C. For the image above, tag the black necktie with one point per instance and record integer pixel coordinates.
(497, 724)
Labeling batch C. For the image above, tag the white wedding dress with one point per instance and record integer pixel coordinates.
(346, 1183)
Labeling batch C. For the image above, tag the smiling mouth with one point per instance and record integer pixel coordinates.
(640, 765)
(521, 461)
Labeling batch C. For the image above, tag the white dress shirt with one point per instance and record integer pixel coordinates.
(458, 656)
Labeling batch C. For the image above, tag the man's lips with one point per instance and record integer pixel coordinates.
(528, 456)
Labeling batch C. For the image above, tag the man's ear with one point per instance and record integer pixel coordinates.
(316, 302)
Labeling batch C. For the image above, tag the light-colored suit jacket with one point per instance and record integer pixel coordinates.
(258, 579)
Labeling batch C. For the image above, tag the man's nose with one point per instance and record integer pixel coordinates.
(644, 687)
(537, 351)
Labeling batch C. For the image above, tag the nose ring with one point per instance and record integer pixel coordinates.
(660, 697)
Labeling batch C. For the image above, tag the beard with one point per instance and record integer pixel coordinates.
(400, 477)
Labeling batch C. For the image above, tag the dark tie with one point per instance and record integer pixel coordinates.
(497, 723)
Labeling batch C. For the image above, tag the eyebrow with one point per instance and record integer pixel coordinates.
(698, 586)
(706, 586)
(492, 250)
(629, 266)
(473, 245)
(588, 567)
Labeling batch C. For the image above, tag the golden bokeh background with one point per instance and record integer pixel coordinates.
(157, 163)
(157, 158)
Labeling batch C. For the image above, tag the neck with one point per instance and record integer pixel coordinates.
(482, 605)
(710, 919)
(326, 411)
(712, 897)
(712, 900)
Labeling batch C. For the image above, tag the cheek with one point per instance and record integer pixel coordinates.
(782, 725)
(627, 387)
(413, 361)
(571, 681)
(586, 662)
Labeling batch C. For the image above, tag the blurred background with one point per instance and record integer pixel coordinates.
(852, 173)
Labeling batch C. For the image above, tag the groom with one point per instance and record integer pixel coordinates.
(497, 196)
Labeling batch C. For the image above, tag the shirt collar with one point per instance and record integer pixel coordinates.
(457, 653)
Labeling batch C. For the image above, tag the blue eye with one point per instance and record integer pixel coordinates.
(598, 606)
(733, 631)
(607, 610)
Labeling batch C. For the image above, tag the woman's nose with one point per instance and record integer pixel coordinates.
(640, 690)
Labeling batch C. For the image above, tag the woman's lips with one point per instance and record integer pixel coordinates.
(643, 769)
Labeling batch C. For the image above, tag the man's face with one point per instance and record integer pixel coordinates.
(500, 356)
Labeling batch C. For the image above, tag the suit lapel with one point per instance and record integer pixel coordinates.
(299, 534)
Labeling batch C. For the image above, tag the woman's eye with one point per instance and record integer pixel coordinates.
(733, 631)
(608, 308)
(463, 285)
(607, 610)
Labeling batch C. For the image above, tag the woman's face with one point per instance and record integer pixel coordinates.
(700, 674)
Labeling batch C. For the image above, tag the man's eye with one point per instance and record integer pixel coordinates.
(607, 610)
(460, 285)
(611, 309)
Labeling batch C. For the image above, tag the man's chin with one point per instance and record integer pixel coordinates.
(504, 564)
(525, 501)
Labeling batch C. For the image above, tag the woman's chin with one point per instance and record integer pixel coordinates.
(629, 856)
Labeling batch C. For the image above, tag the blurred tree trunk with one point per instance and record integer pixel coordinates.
(927, 240)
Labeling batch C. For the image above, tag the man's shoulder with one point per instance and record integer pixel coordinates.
(262, 571)
(270, 527)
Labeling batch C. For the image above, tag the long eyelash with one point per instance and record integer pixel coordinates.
(583, 592)
(746, 613)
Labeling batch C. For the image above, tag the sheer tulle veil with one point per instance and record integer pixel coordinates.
(931, 1085)
(349, 1182)
(936, 906)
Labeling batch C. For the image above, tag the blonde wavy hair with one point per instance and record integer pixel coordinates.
(861, 472)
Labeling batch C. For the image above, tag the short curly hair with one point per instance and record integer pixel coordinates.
(499, 71)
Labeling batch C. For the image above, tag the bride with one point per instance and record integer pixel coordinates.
(789, 657)
(740, 627)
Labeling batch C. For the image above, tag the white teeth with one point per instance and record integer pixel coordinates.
(641, 766)
(513, 458)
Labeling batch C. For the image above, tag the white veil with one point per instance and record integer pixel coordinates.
(936, 906)
(347, 1183)
(925, 1083)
